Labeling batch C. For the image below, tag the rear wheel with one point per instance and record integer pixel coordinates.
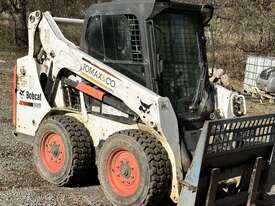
(63, 150)
(134, 169)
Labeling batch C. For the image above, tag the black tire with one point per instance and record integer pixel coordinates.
(75, 141)
(154, 168)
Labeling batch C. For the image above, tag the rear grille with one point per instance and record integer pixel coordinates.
(238, 134)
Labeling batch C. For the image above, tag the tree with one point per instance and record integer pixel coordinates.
(17, 10)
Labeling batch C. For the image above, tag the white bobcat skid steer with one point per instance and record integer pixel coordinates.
(135, 99)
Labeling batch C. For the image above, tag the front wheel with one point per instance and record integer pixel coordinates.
(134, 169)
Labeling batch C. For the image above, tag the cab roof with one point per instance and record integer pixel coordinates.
(142, 9)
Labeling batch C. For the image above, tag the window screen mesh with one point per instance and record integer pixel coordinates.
(116, 41)
(179, 52)
(115, 37)
(135, 38)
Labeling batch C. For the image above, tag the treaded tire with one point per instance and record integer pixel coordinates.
(78, 149)
(154, 168)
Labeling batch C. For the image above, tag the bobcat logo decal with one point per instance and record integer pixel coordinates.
(145, 108)
(21, 92)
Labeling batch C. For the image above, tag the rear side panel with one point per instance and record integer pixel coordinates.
(31, 104)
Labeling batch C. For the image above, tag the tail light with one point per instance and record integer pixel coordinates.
(14, 93)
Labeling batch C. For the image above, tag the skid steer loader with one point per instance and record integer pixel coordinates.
(135, 100)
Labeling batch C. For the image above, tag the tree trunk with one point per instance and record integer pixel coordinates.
(22, 28)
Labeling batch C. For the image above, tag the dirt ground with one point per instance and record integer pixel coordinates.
(19, 181)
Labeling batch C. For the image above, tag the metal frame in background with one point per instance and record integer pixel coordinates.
(68, 20)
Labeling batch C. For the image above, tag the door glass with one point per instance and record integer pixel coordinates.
(116, 40)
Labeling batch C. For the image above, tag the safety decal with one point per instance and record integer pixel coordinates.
(30, 104)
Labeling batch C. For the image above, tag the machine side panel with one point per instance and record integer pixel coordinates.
(32, 104)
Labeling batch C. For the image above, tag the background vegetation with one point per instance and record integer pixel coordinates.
(239, 28)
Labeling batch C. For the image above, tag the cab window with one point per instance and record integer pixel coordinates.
(115, 40)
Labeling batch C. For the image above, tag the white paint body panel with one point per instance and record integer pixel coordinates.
(29, 111)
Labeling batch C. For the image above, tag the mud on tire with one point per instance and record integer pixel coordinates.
(125, 185)
(63, 152)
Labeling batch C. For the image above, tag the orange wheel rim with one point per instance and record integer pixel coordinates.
(52, 151)
(123, 173)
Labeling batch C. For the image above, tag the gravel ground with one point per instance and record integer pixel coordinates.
(19, 182)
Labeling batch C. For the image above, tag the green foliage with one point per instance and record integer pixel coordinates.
(241, 28)
(6, 36)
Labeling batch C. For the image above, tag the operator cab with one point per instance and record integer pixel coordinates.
(159, 44)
